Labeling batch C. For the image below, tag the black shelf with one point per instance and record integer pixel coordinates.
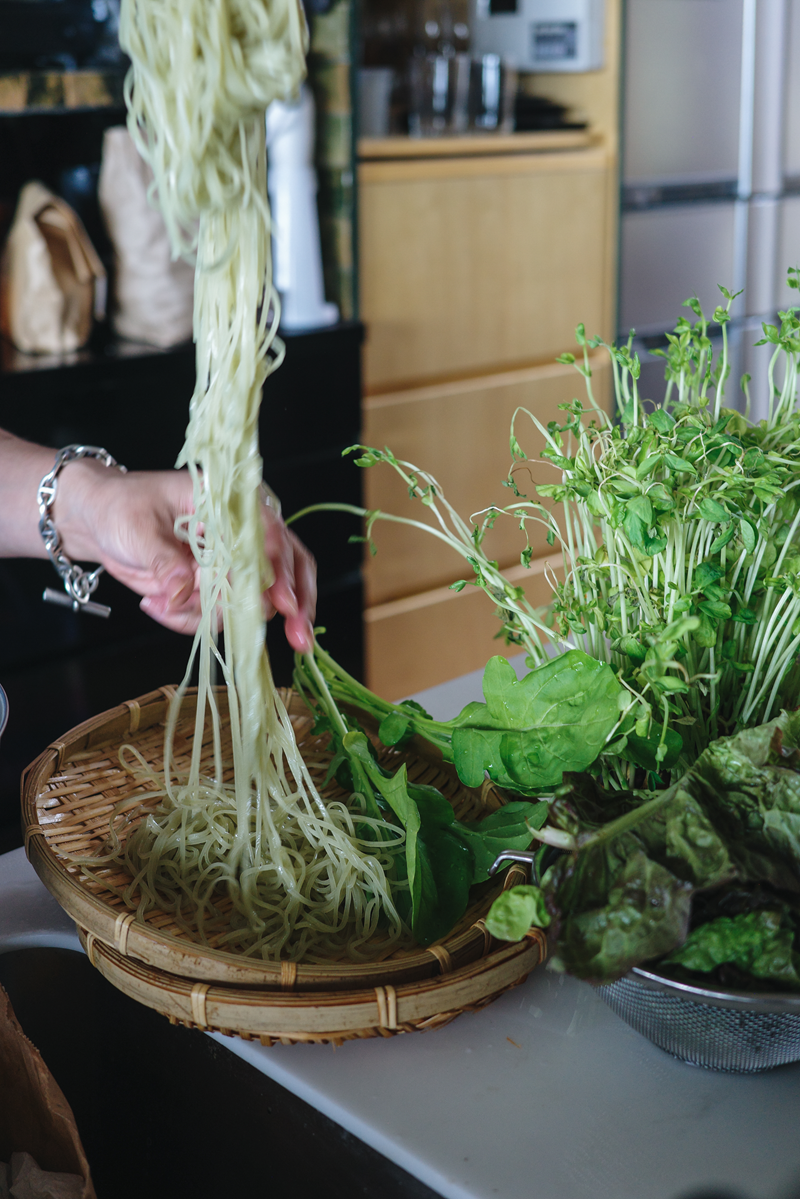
(43, 144)
(102, 349)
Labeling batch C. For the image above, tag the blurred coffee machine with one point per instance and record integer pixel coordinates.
(541, 35)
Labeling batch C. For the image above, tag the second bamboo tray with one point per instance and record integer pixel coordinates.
(300, 1017)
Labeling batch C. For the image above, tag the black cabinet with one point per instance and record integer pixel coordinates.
(58, 667)
(260, 1139)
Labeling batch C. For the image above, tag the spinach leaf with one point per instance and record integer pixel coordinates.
(428, 851)
(508, 828)
(446, 867)
(751, 793)
(394, 789)
(529, 731)
(424, 896)
(439, 862)
(398, 726)
(645, 914)
(411, 705)
(758, 943)
(434, 810)
(395, 728)
(515, 911)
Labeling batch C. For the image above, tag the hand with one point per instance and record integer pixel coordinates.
(126, 523)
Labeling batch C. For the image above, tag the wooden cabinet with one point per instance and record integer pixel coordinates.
(425, 639)
(417, 631)
(458, 432)
(475, 263)
(477, 259)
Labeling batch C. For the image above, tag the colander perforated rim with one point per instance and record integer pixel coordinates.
(751, 1001)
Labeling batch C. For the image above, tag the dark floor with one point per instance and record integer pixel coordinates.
(168, 1113)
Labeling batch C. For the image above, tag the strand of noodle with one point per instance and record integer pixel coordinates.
(300, 877)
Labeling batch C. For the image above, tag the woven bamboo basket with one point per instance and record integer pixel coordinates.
(69, 796)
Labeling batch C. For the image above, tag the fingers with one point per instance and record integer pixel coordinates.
(300, 627)
(305, 574)
(176, 602)
(293, 593)
(172, 595)
(185, 620)
(134, 516)
(139, 547)
(281, 593)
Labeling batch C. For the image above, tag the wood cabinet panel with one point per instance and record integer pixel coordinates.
(479, 264)
(426, 639)
(458, 432)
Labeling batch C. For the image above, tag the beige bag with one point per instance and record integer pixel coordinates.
(153, 295)
(35, 1119)
(51, 279)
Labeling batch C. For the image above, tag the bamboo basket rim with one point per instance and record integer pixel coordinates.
(320, 1017)
(116, 926)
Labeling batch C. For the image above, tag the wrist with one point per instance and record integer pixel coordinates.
(80, 484)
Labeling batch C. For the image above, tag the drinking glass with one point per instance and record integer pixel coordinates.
(439, 87)
(492, 87)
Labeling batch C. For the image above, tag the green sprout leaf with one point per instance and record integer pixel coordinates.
(711, 510)
(748, 534)
(679, 464)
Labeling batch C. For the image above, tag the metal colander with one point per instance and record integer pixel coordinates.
(731, 1031)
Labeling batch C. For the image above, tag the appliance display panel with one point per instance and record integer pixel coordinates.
(546, 36)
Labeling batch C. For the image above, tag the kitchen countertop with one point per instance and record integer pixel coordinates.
(543, 1095)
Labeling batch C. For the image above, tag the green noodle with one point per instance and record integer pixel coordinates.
(262, 864)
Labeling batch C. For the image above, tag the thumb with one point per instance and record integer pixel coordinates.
(172, 568)
(169, 563)
(178, 585)
(166, 572)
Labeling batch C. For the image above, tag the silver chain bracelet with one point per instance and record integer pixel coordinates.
(79, 584)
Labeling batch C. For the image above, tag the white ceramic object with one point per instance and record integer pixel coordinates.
(292, 185)
(29, 916)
